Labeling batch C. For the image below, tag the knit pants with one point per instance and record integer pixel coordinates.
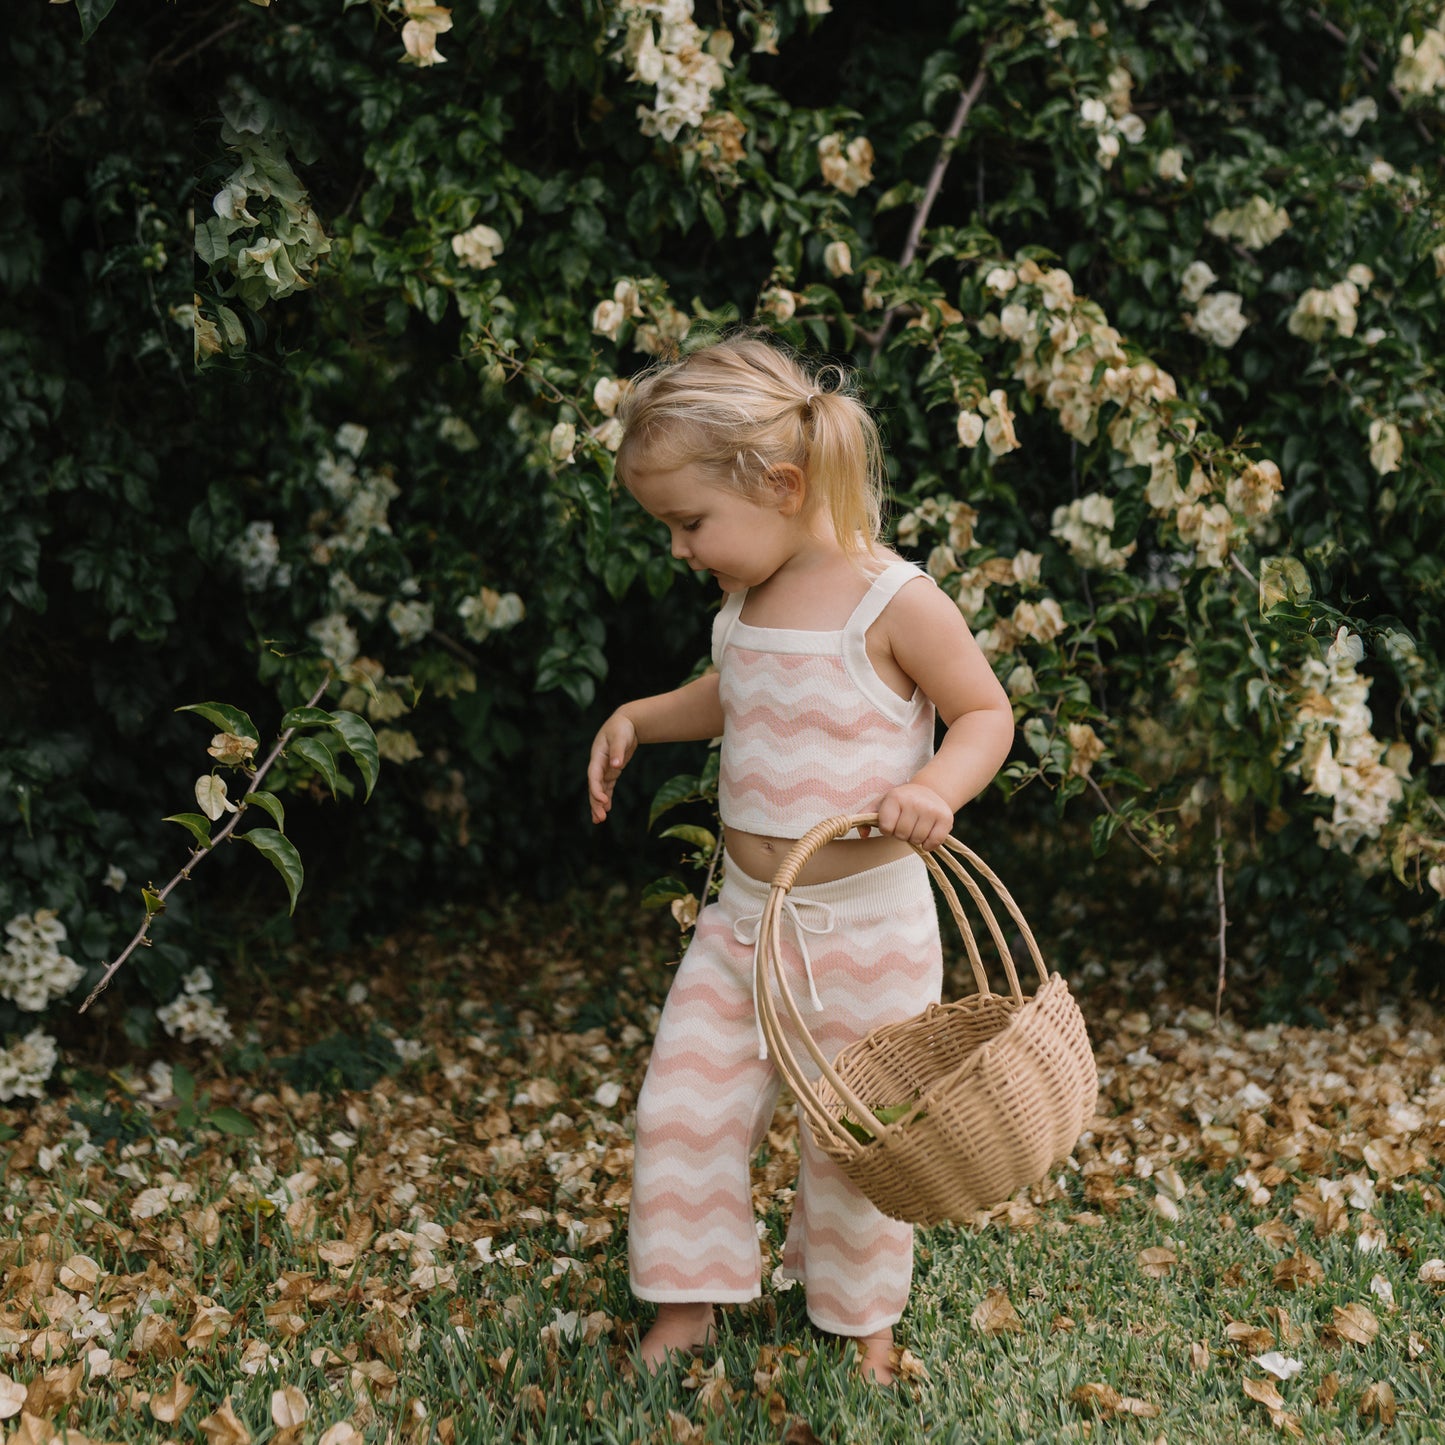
(872, 949)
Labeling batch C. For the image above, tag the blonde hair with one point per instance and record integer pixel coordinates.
(738, 408)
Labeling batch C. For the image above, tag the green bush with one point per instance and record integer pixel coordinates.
(1157, 362)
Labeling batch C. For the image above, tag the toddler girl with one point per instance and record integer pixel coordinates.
(831, 656)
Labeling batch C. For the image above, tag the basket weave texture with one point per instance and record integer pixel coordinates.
(997, 1087)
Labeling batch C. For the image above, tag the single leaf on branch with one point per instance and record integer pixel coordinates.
(224, 716)
(318, 754)
(280, 851)
(270, 803)
(306, 717)
(199, 825)
(355, 732)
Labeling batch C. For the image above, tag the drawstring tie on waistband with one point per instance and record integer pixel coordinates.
(749, 930)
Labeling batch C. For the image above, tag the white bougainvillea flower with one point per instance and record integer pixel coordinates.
(419, 35)
(1254, 224)
(1219, 319)
(1169, 164)
(1198, 277)
(477, 247)
(838, 258)
(1386, 446)
(607, 392)
(847, 168)
(607, 319)
(970, 428)
(562, 440)
(231, 750)
(211, 796)
(998, 430)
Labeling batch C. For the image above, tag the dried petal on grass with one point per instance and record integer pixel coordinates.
(1378, 1403)
(1297, 1271)
(1106, 1401)
(995, 1314)
(1432, 1272)
(1198, 1356)
(288, 1407)
(1356, 1323)
(12, 1397)
(1157, 1262)
(1282, 1367)
(1265, 1392)
(225, 1427)
(169, 1405)
(343, 1432)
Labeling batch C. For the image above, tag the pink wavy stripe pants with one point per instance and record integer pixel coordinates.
(873, 948)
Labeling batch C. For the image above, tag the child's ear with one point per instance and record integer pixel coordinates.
(790, 488)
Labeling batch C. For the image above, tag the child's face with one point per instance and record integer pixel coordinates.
(718, 530)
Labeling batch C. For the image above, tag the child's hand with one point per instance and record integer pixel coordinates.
(612, 749)
(916, 814)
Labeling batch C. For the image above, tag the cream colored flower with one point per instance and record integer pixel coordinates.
(1254, 224)
(1042, 621)
(838, 258)
(607, 319)
(1319, 308)
(1355, 115)
(1219, 319)
(1252, 491)
(419, 35)
(1198, 277)
(846, 168)
(561, 442)
(477, 247)
(1386, 446)
(1420, 69)
(1169, 165)
(1086, 747)
(607, 392)
(970, 428)
(1001, 280)
(779, 302)
(998, 430)
(1014, 321)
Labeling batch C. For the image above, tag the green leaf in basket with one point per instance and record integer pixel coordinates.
(888, 1114)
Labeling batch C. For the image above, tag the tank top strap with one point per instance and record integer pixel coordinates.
(722, 624)
(885, 587)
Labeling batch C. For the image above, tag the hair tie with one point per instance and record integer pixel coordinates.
(808, 400)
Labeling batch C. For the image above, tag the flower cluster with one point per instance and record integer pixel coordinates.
(1386, 446)
(993, 422)
(258, 554)
(719, 146)
(26, 1066)
(666, 48)
(846, 166)
(488, 612)
(1219, 318)
(1086, 527)
(1254, 224)
(477, 247)
(662, 326)
(1075, 362)
(1420, 69)
(1320, 308)
(193, 1015)
(1111, 119)
(33, 971)
(1337, 755)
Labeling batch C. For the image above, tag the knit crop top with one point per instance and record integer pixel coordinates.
(810, 729)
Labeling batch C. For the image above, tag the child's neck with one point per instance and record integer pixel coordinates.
(816, 589)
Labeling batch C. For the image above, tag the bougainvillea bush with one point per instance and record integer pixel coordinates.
(317, 317)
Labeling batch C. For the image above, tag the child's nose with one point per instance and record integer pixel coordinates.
(679, 545)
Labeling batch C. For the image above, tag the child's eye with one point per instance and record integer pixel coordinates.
(693, 525)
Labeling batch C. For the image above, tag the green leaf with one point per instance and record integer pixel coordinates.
(661, 891)
(91, 13)
(198, 823)
(676, 790)
(271, 803)
(153, 901)
(278, 849)
(318, 755)
(183, 1082)
(230, 1121)
(229, 719)
(691, 833)
(306, 717)
(355, 732)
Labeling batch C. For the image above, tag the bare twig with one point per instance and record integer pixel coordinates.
(199, 854)
(935, 182)
(1223, 916)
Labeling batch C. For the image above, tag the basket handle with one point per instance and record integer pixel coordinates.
(768, 961)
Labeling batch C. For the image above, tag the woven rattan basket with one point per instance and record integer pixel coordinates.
(997, 1087)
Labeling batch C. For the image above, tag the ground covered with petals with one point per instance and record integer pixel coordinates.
(424, 1236)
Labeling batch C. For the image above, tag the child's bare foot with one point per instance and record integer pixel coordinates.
(875, 1357)
(680, 1327)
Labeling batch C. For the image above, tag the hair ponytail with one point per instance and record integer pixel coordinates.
(740, 407)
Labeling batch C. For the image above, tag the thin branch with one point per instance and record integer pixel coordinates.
(1241, 568)
(935, 183)
(199, 854)
(1129, 833)
(1223, 916)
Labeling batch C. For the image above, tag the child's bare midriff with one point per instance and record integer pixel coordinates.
(759, 856)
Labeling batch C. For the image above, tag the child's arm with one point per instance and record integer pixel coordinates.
(934, 646)
(687, 714)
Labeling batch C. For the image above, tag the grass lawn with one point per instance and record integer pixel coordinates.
(424, 1238)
